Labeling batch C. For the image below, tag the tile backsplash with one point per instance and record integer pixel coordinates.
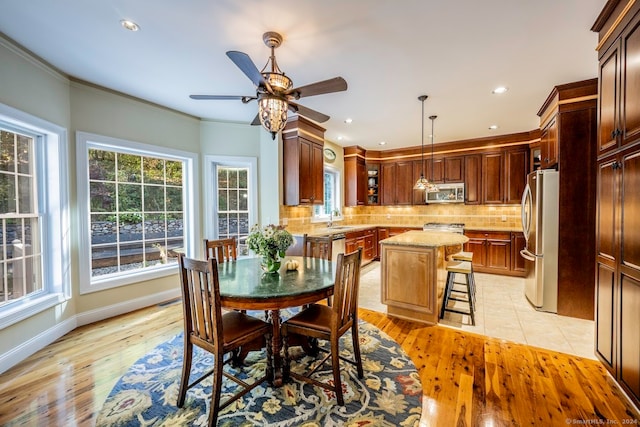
(299, 218)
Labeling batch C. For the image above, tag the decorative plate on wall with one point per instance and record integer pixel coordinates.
(329, 155)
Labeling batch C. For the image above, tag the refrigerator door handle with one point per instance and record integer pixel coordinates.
(528, 255)
(526, 206)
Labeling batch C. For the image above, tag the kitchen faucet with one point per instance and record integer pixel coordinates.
(330, 223)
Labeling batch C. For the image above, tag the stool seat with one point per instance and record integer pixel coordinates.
(462, 267)
(462, 256)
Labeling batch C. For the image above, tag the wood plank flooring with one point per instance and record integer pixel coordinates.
(468, 379)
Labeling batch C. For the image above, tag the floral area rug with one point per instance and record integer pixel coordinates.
(389, 394)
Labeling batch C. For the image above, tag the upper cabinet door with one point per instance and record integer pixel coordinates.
(516, 174)
(493, 178)
(608, 108)
(630, 105)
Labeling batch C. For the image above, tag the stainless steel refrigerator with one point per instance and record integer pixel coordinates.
(540, 227)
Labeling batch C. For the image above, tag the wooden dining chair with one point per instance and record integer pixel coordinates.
(206, 327)
(317, 246)
(330, 323)
(222, 250)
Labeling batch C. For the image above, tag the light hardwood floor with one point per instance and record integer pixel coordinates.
(468, 379)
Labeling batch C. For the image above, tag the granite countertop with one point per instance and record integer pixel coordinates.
(426, 238)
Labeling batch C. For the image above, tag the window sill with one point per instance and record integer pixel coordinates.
(101, 284)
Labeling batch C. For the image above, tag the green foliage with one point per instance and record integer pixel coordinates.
(269, 240)
(130, 218)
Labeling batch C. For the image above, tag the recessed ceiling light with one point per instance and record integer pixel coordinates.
(499, 90)
(340, 138)
(382, 143)
(493, 127)
(129, 25)
(348, 120)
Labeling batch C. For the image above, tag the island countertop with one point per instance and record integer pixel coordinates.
(431, 239)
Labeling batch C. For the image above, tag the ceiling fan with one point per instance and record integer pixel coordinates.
(274, 90)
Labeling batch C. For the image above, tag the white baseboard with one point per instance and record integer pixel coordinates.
(40, 341)
(125, 307)
(46, 337)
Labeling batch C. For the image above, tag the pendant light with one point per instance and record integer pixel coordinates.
(432, 187)
(422, 183)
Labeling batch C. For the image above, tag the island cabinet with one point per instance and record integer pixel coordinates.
(302, 163)
(496, 252)
(504, 175)
(356, 177)
(397, 183)
(617, 242)
(413, 274)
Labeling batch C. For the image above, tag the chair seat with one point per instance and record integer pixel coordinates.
(237, 325)
(315, 316)
(462, 267)
(462, 256)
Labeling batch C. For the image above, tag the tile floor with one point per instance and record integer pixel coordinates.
(502, 311)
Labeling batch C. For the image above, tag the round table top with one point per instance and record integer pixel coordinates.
(243, 282)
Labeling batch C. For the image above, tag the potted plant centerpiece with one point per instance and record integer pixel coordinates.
(271, 243)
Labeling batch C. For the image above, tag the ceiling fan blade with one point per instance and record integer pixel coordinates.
(247, 66)
(308, 112)
(244, 99)
(256, 120)
(336, 84)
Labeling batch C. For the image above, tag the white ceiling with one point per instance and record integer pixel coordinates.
(389, 52)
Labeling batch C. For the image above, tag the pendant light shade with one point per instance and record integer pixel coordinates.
(423, 183)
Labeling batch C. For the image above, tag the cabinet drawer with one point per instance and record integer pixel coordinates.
(489, 235)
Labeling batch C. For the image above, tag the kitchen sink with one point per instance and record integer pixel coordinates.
(339, 227)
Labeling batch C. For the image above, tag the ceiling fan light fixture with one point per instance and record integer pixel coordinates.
(272, 111)
(278, 81)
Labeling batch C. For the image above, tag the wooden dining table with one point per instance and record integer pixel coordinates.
(244, 286)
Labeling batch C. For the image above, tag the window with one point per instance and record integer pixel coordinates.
(233, 205)
(136, 209)
(331, 195)
(20, 259)
(230, 186)
(34, 246)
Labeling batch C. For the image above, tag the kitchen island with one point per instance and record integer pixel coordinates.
(413, 273)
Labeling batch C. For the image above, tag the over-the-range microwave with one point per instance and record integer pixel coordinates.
(447, 193)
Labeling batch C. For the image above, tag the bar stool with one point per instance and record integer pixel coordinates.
(464, 268)
(467, 256)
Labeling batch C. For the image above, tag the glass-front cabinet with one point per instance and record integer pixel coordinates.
(373, 184)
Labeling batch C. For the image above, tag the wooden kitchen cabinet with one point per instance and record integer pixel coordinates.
(303, 163)
(397, 183)
(493, 178)
(617, 239)
(516, 169)
(365, 239)
(454, 169)
(504, 175)
(619, 84)
(549, 145)
(356, 179)
(518, 243)
(473, 179)
(495, 251)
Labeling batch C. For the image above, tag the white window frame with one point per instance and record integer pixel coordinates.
(51, 148)
(211, 188)
(321, 216)
(86, 141)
